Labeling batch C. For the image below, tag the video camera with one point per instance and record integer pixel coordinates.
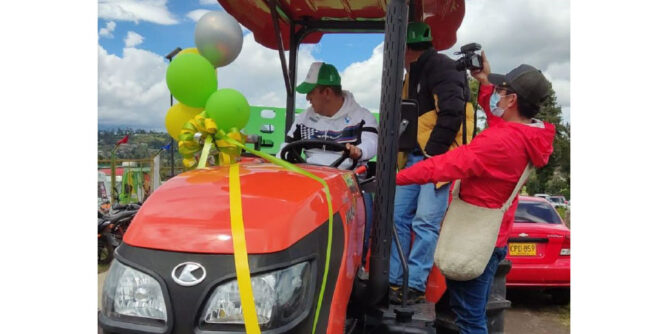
(470, 60)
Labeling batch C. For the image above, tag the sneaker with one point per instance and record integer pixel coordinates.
(395, 294)
(415, 297)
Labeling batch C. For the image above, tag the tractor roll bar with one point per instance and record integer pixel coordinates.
(394, 27)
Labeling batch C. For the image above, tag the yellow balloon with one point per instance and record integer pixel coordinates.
(177, 116)
(188, 50)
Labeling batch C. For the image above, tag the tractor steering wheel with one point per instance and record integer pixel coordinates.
(292, 152)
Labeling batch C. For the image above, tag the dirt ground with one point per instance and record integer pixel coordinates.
(532, 312)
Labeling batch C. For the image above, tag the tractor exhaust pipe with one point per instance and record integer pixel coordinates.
(396, 21)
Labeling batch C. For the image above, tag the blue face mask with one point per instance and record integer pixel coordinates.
(494, 100)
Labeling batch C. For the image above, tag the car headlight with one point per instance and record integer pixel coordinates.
(280, 297)
(130, 292)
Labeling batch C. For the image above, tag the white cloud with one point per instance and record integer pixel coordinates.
(363, 79)
(131, 89)
(133, 39)
(208, 2)
(108, 30)
(196, 14)
(257, 74)
(154, 11)
(514, 32)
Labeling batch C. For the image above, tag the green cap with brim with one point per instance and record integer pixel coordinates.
(320, 74)
(418, 32)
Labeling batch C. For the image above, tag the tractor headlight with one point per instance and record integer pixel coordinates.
(280, 297)
(130, 292)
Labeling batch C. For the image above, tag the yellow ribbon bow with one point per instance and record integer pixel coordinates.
(199, 134)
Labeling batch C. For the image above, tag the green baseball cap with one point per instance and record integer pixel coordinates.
(319, 74)
(418, 32)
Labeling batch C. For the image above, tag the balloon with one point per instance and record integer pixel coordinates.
(188, 51)
(177, 116)
(228, 108)
(191, 79)
(218, 38)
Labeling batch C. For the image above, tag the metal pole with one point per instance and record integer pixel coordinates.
(290, 107)
(171, 103)
(113, 176)
(394, 47)
(171, 141)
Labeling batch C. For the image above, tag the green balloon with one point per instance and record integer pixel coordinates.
(228, 108)
(191, 79)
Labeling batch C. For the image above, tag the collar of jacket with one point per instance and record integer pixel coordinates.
(417, 66)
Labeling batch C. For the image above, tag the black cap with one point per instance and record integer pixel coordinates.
(525, 80)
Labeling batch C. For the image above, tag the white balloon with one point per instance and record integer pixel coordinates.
(218, 38)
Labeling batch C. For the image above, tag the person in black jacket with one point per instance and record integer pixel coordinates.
(442, 93)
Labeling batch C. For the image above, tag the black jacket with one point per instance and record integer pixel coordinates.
(442, 93)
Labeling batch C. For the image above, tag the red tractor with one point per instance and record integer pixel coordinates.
(175, 270)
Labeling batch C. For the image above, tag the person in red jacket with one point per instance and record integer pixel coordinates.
(490, 167)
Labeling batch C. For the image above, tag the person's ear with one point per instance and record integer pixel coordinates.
(513, 101)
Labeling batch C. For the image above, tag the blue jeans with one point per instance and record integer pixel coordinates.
(419, 208)
(468, 299)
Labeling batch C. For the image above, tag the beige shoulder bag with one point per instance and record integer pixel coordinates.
(468, 235)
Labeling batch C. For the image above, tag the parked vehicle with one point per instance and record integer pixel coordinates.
(539, 249)
(545, 196)
(558, 201)
(110, 229)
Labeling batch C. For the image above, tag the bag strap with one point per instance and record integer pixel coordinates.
(456, 186)
(519, 185)
(455, 189)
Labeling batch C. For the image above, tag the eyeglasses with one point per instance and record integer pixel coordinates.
(499, 89)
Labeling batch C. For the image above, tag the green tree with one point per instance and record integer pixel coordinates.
(555, 177)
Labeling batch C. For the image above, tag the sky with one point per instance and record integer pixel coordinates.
(134, 36)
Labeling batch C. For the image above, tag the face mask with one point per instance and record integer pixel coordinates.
(498, 111)
(493, 101)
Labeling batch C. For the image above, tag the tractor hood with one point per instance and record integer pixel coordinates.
(191, 211)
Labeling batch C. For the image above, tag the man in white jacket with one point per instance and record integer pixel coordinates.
(334, 115)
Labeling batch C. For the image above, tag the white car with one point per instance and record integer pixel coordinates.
(558, 201)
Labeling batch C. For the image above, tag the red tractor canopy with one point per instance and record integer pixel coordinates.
(444, 17)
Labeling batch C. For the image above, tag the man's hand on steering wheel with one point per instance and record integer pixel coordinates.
(292, 151)
(355, 152)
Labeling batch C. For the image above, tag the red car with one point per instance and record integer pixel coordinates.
(539, 248)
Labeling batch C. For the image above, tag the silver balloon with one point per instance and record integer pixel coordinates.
(218, 38)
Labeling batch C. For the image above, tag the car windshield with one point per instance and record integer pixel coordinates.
(536, 212)
(556, 199)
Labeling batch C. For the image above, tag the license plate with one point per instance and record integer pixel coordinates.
(522, 249)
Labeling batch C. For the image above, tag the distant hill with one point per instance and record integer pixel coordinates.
(142, 144)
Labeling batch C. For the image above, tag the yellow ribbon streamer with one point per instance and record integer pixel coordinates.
(330, 225)
(240, 253)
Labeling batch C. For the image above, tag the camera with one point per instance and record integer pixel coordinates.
(470, 60)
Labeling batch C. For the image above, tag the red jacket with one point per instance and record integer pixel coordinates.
(490, 165)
